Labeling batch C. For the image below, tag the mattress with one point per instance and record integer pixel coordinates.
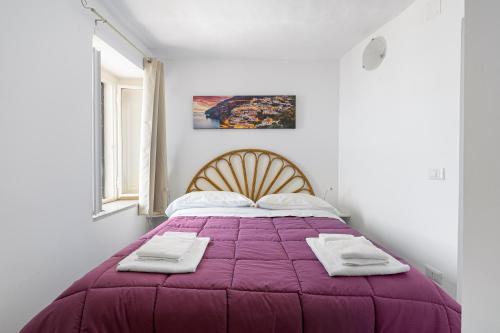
(257, 275)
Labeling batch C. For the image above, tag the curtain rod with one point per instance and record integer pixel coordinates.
(102, 19)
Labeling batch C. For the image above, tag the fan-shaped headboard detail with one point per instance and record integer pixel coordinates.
(251, 172)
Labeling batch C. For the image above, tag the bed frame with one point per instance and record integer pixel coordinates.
(251, 172)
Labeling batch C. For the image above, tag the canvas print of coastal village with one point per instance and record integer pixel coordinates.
(274, 111)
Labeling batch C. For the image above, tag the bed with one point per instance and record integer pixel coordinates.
(257, 274)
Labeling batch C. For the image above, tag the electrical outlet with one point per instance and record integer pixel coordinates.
(328, 190)
(433, 8)
(434, 274)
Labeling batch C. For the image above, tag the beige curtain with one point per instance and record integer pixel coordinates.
(153, 167)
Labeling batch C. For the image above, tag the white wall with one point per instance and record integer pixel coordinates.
(312, 145)
(397, 122)
(481, 159)
(48, 238)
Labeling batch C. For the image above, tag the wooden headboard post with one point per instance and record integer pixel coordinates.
(251, 172)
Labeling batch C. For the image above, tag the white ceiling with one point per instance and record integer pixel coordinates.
(253, 29)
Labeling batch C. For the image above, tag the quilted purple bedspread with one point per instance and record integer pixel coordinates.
(257, 275)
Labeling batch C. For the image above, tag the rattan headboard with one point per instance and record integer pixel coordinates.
(251, 172)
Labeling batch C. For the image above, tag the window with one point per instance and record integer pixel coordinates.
(117, 119)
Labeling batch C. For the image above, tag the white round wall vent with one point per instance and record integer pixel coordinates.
(374, 53)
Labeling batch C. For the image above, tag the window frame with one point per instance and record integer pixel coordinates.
(97, 133)
(120, 160)
(114, 176)
(109, 144)
(112, 170)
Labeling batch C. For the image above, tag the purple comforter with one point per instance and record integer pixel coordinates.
(257, 275)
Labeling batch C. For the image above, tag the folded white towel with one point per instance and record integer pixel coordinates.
(159, 259)
(360, 250)
(343, 243)
(326, 238)
(364, 262)
(166, 247)
(179, 234)
(334, 264)
(188, 264)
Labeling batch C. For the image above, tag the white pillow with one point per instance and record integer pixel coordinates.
(294, 201)
(205, 199)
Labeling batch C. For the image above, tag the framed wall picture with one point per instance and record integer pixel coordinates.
(254, 111)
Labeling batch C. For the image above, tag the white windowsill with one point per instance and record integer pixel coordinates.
(114, 207)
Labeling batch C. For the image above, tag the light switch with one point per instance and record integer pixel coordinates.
(437, 174)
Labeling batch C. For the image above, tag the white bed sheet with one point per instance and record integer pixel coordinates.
(253, 212)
